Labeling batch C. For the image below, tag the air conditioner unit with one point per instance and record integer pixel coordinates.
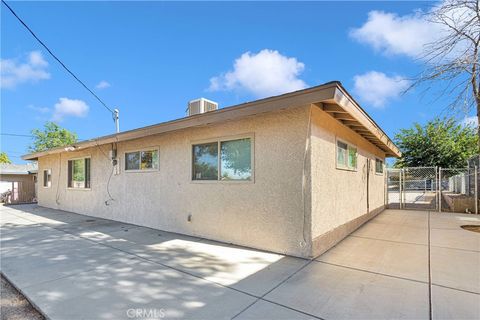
(201, 105)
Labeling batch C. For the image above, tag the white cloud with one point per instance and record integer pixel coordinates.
(69, 107)
(14, 73)
(470, 121)
(265, 73)
(376, 88)
(38, 109)
(393, 34)
(103, 85)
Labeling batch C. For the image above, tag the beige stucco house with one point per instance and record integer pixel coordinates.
(292, 174)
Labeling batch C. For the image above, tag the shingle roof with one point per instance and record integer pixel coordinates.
(10, 168)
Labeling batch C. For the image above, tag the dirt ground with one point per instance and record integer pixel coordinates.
(13, 306)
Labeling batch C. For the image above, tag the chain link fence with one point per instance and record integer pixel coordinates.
(432, 188)
(458, 190)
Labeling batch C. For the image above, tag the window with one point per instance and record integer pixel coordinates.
(79, 173)
(225, 160)
(341, 154)
(346, 156)
(47, 178)
(205, 161)
(145, 160)
(378, 166)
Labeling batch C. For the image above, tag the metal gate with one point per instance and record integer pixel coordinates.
(433, 188)
(412, 188)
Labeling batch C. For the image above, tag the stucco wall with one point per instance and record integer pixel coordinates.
(298, 195)
(340, 196)
(267, 214)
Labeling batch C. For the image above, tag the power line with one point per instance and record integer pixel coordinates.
(16, 135)
(55, 57)
(25, 135)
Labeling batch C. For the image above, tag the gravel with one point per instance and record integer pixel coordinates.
(14, 306)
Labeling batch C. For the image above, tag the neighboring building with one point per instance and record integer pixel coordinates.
(292, 174)
(20, 180)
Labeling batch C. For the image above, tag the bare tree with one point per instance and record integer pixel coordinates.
(452, 60)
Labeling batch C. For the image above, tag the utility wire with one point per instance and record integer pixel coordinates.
(25, 136)
(16, 135)
(55, 57)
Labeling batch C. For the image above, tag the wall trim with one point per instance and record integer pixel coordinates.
(329, 239)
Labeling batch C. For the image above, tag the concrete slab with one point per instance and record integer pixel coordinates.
(332, 292)
(393, 232)
(457, 269)
(136, 235)
(391, 258)
(446, 220)
(455, 239)
(50, 262)
(252, 271)
(113, 291)
(266, 310)
(454, 304)
(406, 218)
(88, 268)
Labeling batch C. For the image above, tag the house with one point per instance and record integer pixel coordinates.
(292, 174)
(20, 180)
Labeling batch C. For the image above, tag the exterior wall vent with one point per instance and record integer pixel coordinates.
(201, 105)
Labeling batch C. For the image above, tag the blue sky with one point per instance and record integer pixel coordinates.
(152, 57)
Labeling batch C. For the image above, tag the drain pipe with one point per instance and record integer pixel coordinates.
(368, 191)
(440, 189)
(476, 190)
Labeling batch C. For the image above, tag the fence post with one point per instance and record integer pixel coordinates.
(436, 188)
(439, 189)
(476, 190)
(400, 197)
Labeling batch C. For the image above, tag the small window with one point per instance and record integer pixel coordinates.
(79, 173)
(378, 166)
(352, 157)
(205, 161)
(236, 160)
(141, 160)
(47, 178)
(341, 154)
(227, 160)
(346, 156)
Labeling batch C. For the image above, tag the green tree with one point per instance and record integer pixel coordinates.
(4, 158)
(440, 142)
(51, 136)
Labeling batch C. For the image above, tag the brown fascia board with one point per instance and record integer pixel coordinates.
(327, 92)
(284, 101)
(346, 101)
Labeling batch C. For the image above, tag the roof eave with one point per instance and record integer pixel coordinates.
(332, 91)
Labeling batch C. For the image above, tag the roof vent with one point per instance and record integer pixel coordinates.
(201, 105)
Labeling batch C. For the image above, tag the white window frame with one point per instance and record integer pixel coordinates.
(153, 148)
(219, 140)
(383, 166)
(49, 172)
(80, 158)
(346, 166)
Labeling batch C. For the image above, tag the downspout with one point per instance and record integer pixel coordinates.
(368, 185)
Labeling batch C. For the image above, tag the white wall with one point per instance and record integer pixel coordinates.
(266, 214)
(340, 196)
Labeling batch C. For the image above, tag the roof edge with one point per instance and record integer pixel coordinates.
(327, 91)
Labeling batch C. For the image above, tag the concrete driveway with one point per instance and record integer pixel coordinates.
(402, 264)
